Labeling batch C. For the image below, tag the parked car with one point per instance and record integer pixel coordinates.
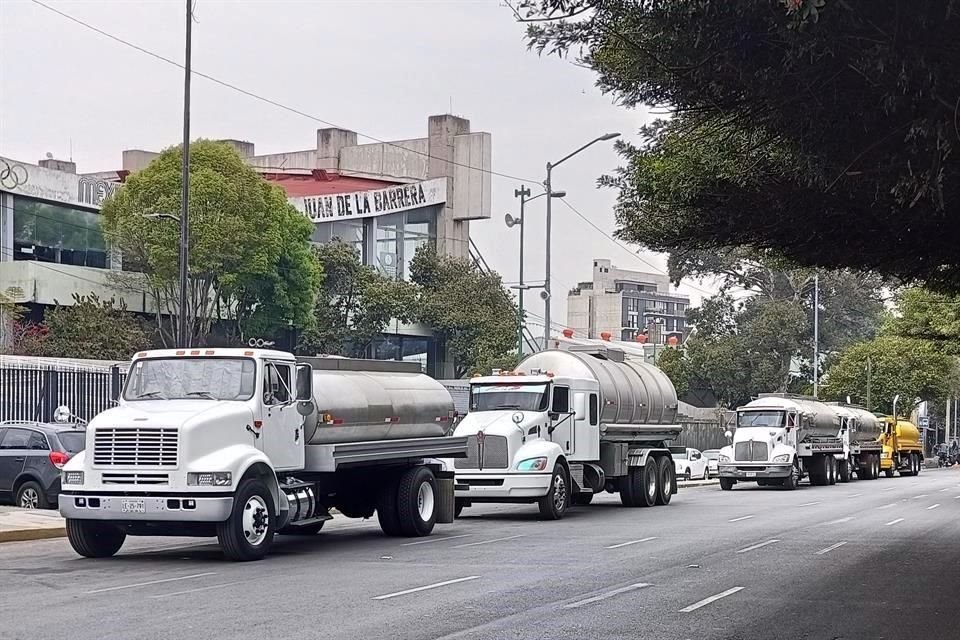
(31, 456)
(691, 464)
(713, 459)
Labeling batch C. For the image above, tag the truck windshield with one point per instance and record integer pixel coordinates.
(522, 397)
(760, 419)
(191, 378)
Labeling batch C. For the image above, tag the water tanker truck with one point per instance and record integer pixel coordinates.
(565, 425)
(902, 448)
(782, 438)
(243, 444)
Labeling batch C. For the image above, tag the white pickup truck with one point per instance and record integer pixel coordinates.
(246, 443)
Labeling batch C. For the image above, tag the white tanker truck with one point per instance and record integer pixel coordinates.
(781, 439)
(246, 443)
(567, 424)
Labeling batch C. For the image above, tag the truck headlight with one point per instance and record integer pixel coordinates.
(213, 479)
(785, 457)
(532, 464)
(723, 459)
(71, 477)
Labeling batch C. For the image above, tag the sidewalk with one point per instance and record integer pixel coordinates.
(29, 524)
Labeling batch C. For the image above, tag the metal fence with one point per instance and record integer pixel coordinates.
(34, 393)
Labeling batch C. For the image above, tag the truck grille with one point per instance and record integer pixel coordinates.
(495, 454)
(750, 451)
(136, 478)
(135, 446)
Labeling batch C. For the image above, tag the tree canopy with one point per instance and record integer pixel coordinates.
(822, 131)
(470, 310)
(250, 261)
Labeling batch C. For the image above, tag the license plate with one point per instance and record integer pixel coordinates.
(132, 506)
(751, 474)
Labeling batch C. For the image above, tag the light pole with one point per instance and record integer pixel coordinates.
(185, 181)
(524, 194)
(549, 190)
(816, 333)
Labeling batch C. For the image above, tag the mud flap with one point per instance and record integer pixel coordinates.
(445, 501)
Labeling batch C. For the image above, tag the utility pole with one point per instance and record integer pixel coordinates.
(869, 372)
(185, 184)
(523, 193)
(816, 333)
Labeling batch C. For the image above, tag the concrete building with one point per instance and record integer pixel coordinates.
(387, 198)
(625, 304)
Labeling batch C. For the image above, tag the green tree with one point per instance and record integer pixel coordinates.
(355, 303)
(904, 366)
(821, 131)
(94, 329)
(250, 262)
(468, 309)
(673, 363)
(926, 315)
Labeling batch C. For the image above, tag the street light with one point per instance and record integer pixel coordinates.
(523, 192)
(183, 338)
(545, 294)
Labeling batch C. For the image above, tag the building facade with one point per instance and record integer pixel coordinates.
(626, 304)
(386, 198)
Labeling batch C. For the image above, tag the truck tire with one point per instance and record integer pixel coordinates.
(387, 509)
(831, 470)
(844, 475)
(874, 466)
(792, 481)
(582, 499)
(93, 538)
(555, 503)
(667, 471)
(649, 487)
(248, 533)
(726, 484)
(417, 502)
(919, 464)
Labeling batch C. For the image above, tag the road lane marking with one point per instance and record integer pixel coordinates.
(627, 544)
(830, 548)
(810, 504)
(435, 585)
(706, 601)
(208, 588)
(438, 539)
(887, 506)
(740, 518)
(759, 545)
(944, 489)
(922, 495)
(477, 544)
(893, 522)
(146, 584)
(933, 506)
(956, 497)
(888, 489)
(841, 520)
(854, 495)
(608, 594)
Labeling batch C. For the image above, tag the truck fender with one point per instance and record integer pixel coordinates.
(539, 449)
(77, 462)
(243, 460)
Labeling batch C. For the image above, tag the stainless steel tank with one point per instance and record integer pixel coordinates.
(868, 427)
(819, 420)
(360, 400)
(631, 392)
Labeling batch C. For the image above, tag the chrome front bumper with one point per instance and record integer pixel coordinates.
(516, 485)
(195, 508)
(751, 472)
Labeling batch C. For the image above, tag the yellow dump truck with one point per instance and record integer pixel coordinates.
(902, 448)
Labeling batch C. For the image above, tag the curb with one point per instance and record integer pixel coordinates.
(702, 483)
(23, 535)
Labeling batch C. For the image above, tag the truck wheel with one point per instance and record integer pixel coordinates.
(791, 481)
(919, 458)
(667, 471)
(649, 484)
(726, 484)
(387, 509)
(831, 470)
(94, 539)
(248, 533)
(582, 499)
(844, 471)
(555, 503)
(417, 502)
(874, 466)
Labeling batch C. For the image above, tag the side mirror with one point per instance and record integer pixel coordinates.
(62, 414)
(580, 406)
(728, 434)
(304, 383)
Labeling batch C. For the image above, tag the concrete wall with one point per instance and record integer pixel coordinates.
(403, 161)
(44, 283)
(607, 314)
(578, 315)
(605, 276)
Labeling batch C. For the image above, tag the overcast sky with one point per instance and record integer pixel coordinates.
(378, 68)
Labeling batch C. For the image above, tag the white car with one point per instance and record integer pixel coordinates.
(713, 461)
(691, 465)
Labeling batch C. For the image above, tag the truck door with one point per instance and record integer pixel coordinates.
(563, 418)
(282, 431)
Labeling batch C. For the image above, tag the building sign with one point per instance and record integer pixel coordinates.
(23, 178)
(378, 202)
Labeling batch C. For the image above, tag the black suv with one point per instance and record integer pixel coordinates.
(31, 456)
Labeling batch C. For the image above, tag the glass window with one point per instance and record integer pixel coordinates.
(561, 400)
(38, 442)
(200, 378)
(73, 441)
(388, 246)
(593, 409)
(16, 439)
(521, 397)
(760, 419)
(56, 233)
(349, 231)
(276, 384)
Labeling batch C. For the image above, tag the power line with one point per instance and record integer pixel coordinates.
(264, 99)
(625, 247)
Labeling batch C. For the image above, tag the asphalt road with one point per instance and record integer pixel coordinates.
(870, 559)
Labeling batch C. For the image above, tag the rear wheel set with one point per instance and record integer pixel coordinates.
(649, 485)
